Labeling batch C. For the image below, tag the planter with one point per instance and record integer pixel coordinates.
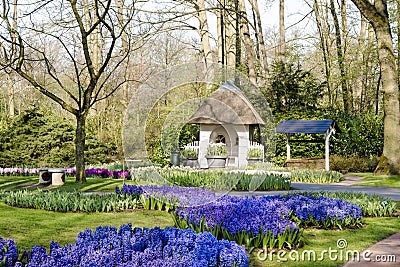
(44, 176)
(216, 161)
(174, 159)
(254, 160)
(190, 162)
(57, 176)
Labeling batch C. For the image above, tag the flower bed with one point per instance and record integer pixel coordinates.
(66, 201)
(90, 172)
(8, 252)
(323, 212)
(19, 171)
(316, 176)
(371, 205)
(271, 221)
(168, 197)
(250, 221)
(259, 180)
(102, 173)
(107, 246)
(213, 179)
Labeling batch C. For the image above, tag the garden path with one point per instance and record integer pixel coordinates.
(384, 253)
(346, 185)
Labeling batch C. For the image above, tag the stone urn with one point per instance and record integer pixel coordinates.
(216, 161)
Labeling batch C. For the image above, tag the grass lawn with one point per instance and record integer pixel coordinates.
(92, 184)
(29, 227)
(37, 227)
(378, 181)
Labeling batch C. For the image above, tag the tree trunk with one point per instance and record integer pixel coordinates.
(238, 41)
(220, 34)
(11, 96)
(369, 56)
(125, 47)
(398, 38)
(282, 42)
(11, 91)
(343, 15)
(204, 31)
(250, 58)
(329, 41)
(391, 147)
(80, 148)
(347, 102)
(324, 49)
(360, 89)
(377, 14)
(230, 33)
(260, 37)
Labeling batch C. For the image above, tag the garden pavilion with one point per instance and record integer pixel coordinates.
(227, 117)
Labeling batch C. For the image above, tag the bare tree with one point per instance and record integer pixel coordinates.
(347, 97)
(204, 31)
(282, 42)
(324, 43)
(360, 54)
(377, 15)
(65, 23)
(249, 50)
(260, 37)
(10, 75)
(226, 32)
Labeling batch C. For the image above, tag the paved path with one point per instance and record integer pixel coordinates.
(346, 185)
(384, 253)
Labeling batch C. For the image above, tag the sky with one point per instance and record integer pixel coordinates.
(295, 10)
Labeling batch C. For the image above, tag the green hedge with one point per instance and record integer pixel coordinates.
(353, 163)
(360, 135)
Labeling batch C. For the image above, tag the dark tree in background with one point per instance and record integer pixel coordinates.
(295, 89)
(40, 138)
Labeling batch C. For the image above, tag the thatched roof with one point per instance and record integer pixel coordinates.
(226, 105)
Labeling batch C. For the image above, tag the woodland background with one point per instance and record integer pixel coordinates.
(323, 66)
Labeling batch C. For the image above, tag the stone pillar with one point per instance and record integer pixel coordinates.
(243, 136)
(205, 132)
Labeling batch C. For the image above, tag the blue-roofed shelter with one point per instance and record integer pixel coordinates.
(325, 127)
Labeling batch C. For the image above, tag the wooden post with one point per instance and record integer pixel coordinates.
(327, 136)
(287, 146)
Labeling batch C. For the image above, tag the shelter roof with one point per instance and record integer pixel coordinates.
(306, 126)
(226, 105)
